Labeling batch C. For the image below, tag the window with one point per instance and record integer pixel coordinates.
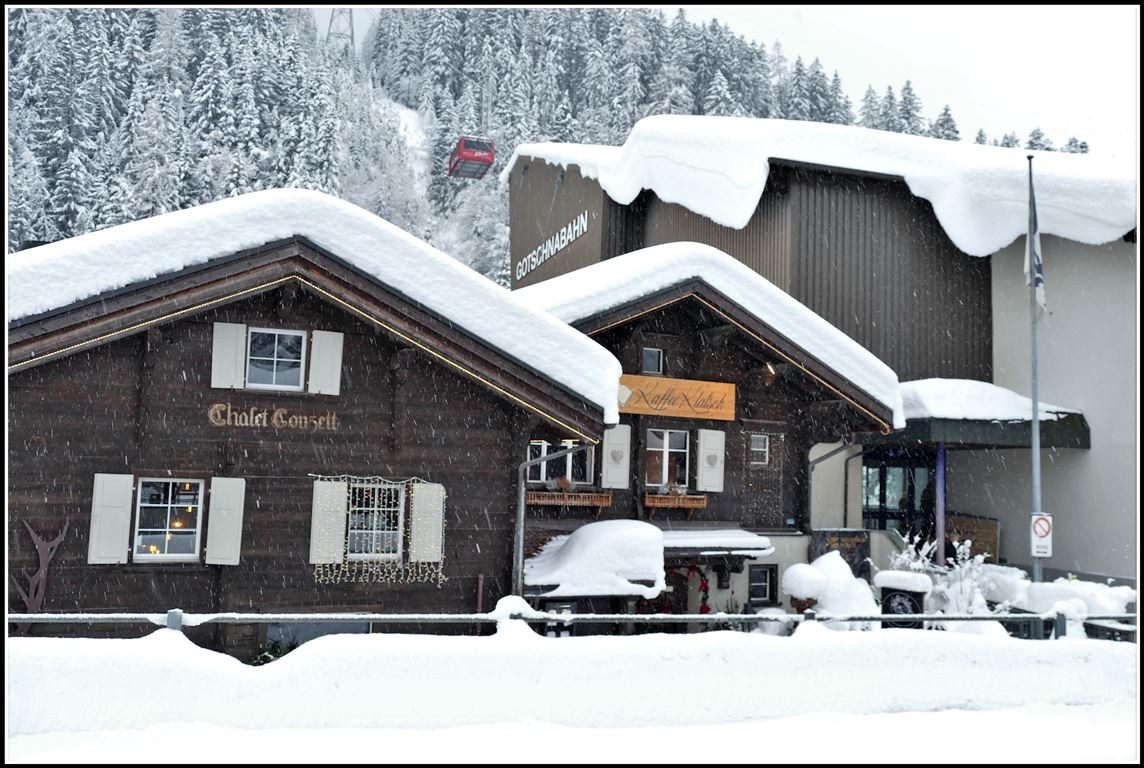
(898, 491)
(761, 585)
(274, 359)
(577, 467)
(760, 451)
(667, 457)
(168, 520)
(652, 360)
(376, 522)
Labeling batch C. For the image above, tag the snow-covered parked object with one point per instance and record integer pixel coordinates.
(600, 287)
(843, 594)
(602, 558)
(968, 399)
(1004, 584)
(60, 274)
(718, 167)
(1099, 599)
(908, 581)
(803, 581)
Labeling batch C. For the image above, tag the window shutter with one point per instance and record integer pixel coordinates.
(328, 521)
(326, 363)
(615, 467)
(228, 357)
(110, 535)
(224, 520)
(427, 515)
(711, 457)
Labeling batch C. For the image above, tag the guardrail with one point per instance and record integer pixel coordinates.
(176, 619)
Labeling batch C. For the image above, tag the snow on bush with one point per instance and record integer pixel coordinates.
(845, 594)
(803, 581)
(777, 628)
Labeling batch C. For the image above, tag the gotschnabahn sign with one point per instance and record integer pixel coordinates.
(657, 396)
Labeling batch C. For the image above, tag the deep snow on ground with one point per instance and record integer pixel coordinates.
(891, 695)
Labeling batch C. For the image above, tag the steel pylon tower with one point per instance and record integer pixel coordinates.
(341, 28)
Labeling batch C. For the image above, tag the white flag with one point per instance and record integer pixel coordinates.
(1033, 248)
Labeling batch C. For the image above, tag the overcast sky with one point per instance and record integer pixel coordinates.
(1071, 70)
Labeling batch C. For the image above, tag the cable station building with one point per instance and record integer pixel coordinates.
(910, 247)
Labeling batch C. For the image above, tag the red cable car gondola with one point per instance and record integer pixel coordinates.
(472, 157)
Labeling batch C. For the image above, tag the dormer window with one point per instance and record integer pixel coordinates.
(652, 361)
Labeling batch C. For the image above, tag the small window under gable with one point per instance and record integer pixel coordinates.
(652, 361)
(760, 450)
(275, 359)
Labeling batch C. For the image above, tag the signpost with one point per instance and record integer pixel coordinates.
(1041, 535)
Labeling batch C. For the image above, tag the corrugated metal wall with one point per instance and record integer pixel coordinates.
(867, 256)
(873, 260)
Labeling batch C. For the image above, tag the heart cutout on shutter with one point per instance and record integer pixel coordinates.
(712, 459)
(617, 455)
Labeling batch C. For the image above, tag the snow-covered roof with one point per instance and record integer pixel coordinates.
(597, 288)
(968, 399)
(61, 273)
(718, 166)
(733, 540)
(601, 558)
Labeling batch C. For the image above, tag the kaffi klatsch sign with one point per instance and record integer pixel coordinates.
(659, 396)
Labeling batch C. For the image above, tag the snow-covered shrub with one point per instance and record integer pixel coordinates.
(777, 628)
(957, 592)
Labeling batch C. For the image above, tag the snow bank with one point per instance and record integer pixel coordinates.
(58, 274)
(910, 581)
(968, 399)
(601, 558)
(389, 680)
(1005, 584)
(623, 279)
(718, 167)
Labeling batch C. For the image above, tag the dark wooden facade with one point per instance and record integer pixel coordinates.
(858, 249)
(138, 404)
(701, 342)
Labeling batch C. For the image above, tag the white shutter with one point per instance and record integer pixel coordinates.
(427, 518)
(709, 476)
(328, 521)
(615, 465)
(224, 520)
(228, 356)
(110, 537)
(326, 363)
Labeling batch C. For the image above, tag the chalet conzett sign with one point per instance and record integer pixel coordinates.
(658, 396)
(222, 415)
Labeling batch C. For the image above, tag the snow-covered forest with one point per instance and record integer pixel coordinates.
(117, 114)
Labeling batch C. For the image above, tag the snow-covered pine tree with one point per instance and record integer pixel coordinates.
(1038, 140)
(870, 113)
(798, 96)
(818, 93)
(891, 115)
(1076, 146)
(718, 101)
(945, 127)
(841, 110)
(1010, 140)
(981, 138)
(910, 118)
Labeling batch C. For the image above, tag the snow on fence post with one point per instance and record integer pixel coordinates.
(1061, 628)
(175, 619)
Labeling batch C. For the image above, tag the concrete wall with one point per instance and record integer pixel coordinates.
(790, 548)
(1087, 350)
(826, 488)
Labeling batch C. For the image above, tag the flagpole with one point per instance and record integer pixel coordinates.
(1036, 420)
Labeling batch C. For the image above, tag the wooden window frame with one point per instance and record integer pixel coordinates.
(643, 367)
(140, 557)
(386, 557)
(250, 331)
(667, 450)
(772, 583)
(751, 452)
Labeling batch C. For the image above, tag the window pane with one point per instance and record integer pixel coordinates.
(358, 543)
(181, 543)
(186, 493)
(289, 347)
(261, 344)
(677, 441)
(652, 360)
(758, 442)
(580, 466)
(289, 374)
(677, 468)
(896, 489)
(153, 517)
(154, 493)
(260, 372)
(655, 438)
(150, 543)
(556, 468)
(654, 468)
(871, 486)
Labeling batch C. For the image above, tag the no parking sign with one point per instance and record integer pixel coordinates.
(1041, 535)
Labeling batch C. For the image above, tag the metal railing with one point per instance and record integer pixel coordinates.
(176, 619)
